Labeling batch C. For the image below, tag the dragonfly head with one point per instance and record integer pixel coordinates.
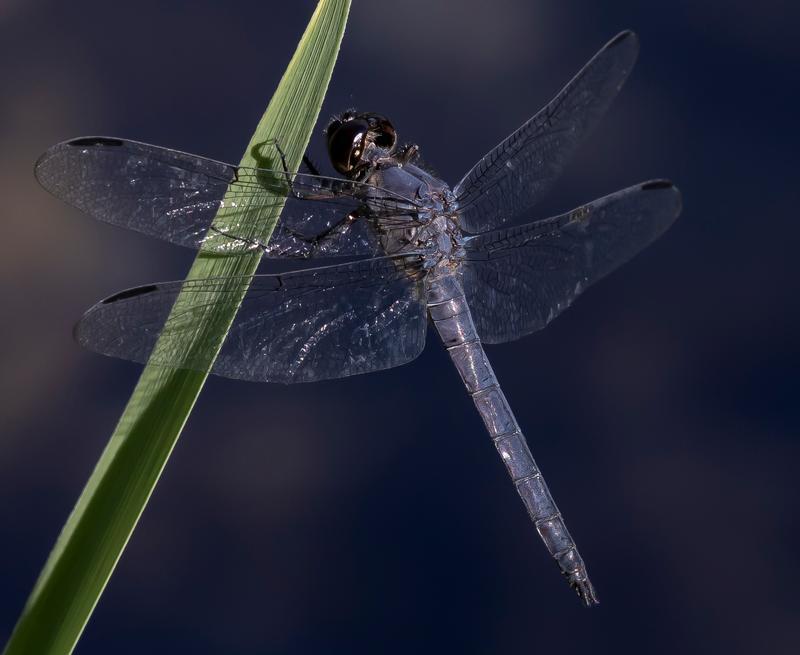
(352, 137)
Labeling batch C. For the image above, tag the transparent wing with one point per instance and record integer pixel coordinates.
(314, 324)
(518, 279)
(511, 178)
(174, 196)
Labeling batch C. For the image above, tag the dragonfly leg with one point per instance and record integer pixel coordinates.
(255, 243)
(310, 165)
(289, 180)
(408, 153)
(286, 172)
(318, 240)
(314, 242)
(321, 189)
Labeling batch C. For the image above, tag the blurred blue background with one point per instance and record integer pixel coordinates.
(315, 518)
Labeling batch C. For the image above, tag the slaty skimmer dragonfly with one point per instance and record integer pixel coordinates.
(416, 249)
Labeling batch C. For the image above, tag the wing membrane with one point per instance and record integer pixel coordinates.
(174, 196)
(513, 176)
(315, 324)
(518, 279)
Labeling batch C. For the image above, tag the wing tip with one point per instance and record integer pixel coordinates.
(625, 46)
(129, 293)
(91, 331)
(93, 141)
(40, 170)
(78, 330)
(665, 185)
(623, 36)
(657, 184)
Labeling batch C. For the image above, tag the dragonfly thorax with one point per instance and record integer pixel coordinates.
(442, 240)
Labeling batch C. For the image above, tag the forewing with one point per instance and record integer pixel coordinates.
(175, 196)
(518, 279)
(515, 175)
(303, 326)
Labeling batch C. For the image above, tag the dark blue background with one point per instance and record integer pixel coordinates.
(320, 518)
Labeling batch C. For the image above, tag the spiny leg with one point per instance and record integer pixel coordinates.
(409, 152)
(314, 243)
(310, 165)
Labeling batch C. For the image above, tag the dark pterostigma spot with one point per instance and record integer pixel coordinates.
(657, 184)
(130, 293)
(619, 38)
(95, 141)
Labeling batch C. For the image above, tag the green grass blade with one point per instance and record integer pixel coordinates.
(117, 492)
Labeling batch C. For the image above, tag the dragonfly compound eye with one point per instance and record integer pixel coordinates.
(346, 143)
(382, 131)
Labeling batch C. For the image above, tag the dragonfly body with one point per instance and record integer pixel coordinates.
(450, 312)
(440, 238)
(418, 251)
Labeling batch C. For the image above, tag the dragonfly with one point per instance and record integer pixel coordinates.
(415, 250)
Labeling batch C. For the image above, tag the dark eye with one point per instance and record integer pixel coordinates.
(346, 144)
(386, 135)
